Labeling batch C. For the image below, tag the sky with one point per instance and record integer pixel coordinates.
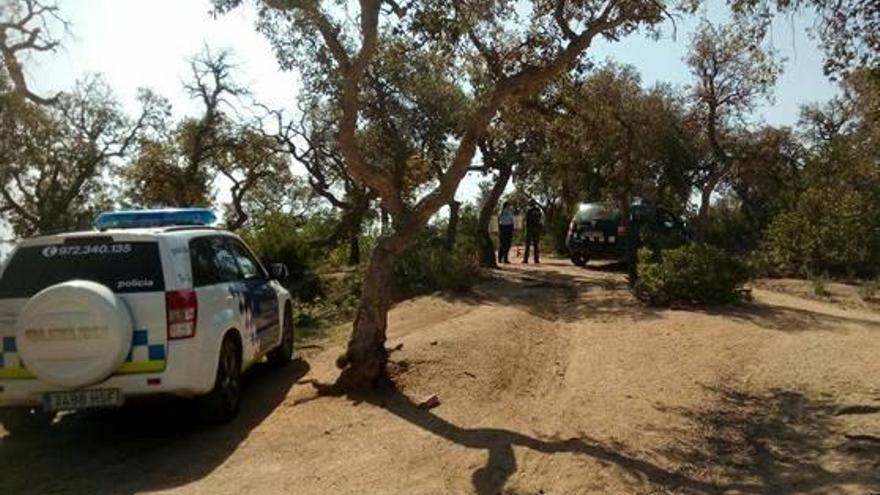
(137, 43)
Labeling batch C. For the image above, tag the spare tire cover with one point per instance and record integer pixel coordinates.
(74, 333)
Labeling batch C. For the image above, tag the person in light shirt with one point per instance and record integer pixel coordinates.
(505, 232)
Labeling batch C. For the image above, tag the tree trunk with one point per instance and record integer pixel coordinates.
(631, 241)
(363, 364)
(384, 221)
(703, 215)
(452, 227)
(354, 249)
(488, 256)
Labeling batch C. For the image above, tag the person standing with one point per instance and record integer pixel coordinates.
(534, 226)
(505, 232)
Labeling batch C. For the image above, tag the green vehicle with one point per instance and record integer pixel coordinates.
(597, 231)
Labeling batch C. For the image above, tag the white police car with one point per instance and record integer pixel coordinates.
(152, 302)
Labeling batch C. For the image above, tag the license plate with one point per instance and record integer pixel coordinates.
(82, 399)
(595, 236)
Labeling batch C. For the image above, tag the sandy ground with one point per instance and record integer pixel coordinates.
(552, 380)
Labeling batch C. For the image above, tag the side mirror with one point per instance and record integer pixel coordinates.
(279, 271)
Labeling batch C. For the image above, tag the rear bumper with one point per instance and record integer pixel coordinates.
(597, 250)
(190, 374)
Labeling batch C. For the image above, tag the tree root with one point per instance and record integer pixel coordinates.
(353, 381)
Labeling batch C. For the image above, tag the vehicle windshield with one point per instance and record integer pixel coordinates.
(596, 211)
(124, 267)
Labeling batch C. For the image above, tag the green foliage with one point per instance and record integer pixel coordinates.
(820, 285)
(729, 229)
(847, 31)
(54, 160)
(281, 238)
(827, 230)
(692, 274)
(337, 303)
(430, 265)
(868, 290)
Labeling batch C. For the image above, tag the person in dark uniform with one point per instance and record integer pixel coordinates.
(505, 232)
(534, 226)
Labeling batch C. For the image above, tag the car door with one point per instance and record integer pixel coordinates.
(670, 231)
(259, 297)
(215, 276)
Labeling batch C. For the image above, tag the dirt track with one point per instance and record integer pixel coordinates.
(552, 380)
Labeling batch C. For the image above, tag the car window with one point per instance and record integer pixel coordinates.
(124, 267)
(666, 219)
(250, 267)
(212, 261)
(588, 212)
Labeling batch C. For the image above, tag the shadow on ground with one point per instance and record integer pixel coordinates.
(148, 446)
(499, 444)
(501, 464)
(782, 442)
(788, 318)
(778, 442)
(556, 290)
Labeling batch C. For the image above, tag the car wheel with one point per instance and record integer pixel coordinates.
(25, 420)
(221, 404)
(282, 354)
(579, 259)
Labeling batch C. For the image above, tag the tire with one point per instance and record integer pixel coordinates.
(222, 403)
(282, 354)
(25, 420)
(579, 259)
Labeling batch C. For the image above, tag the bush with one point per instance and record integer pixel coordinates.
(868, 290)
(338, 303)
(729, 229)
(827, 231)
(429, 264)
(280, 238)
(692, 274)
(820, 285)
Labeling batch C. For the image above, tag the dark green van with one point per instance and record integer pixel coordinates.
(598, 232)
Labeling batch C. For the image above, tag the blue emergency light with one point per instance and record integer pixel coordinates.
(130, 219)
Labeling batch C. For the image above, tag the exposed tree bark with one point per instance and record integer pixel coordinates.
(364, 362)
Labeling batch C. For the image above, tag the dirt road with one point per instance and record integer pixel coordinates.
(552, 380)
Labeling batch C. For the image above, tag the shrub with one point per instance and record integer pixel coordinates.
(820, 285)
(868, 290)
(429, 265)
(338, 302)
(691, 274)
(280, 238)
(729, 229)
(828, 231)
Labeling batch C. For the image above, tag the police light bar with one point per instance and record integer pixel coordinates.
(130, 219)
